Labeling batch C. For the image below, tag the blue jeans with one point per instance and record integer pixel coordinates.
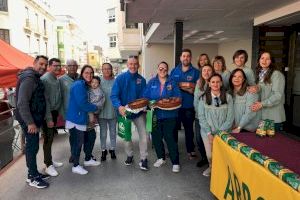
(112, 124)
(199, 140)
(31, 150)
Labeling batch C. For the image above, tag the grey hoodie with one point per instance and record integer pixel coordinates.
(27, 84)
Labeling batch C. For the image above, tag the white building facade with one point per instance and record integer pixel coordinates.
(122, 39)
(71, 41)
(28, 25)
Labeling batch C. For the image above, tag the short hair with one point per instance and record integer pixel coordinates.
(52, 60)
(40, 56)
(186, 50)
(222, 59)
(133, 56)
(111, 68)
(240, 52)
(70, 61)
(97, 78)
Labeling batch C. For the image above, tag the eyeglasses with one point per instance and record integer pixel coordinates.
(57, 66)
(73, 65)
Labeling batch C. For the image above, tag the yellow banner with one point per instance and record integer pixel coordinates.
(236, 177)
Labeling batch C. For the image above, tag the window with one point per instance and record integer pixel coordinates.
(3, 5)
(45, 27)
(38, 46)
(112, 41)
(37, 22)
(4, 35)
(46, 48)
(111, 15)
(28, 44)
(132, 25)
(27, 22)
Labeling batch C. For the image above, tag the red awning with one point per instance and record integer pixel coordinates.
(12, 61)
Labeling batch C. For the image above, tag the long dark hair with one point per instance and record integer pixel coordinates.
(207, 93)
(82, 70)
(243, 89)
(201, 79)
(272, 68)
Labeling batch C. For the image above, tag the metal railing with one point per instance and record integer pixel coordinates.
(11, 138)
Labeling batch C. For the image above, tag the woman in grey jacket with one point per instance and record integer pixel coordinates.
(271, 85)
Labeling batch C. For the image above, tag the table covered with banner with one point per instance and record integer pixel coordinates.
(246, 166)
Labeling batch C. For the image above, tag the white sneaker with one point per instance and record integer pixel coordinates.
(159, 162)
(207, 172)
(79, 170)
(57, 164)
(91, 162)
(51, 171)
(176, 168)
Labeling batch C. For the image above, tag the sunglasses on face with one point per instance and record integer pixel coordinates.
(57, 66)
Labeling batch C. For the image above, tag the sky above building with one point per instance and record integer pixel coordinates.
(90, 15)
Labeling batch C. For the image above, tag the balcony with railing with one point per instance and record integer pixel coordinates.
(27, 26)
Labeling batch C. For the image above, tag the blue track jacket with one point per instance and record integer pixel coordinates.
(191, 75)
(170, 89)
(127, 87)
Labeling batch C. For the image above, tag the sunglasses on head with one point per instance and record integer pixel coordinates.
(162, 69)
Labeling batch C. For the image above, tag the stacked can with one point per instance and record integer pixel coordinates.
(266, 127)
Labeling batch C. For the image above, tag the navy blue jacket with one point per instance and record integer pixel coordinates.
(170, 89)
(79, 106)
(127, 87)
(191, 75)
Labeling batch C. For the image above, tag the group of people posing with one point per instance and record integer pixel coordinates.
(233, 101)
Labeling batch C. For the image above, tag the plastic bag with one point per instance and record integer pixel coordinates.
(124, 128)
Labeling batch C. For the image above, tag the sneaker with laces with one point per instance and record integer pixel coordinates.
(79, 170)
(207, 172)
(144, 165)
(129, 160)
(57, 164)
(176, 168)
(91, 162)
(42, 176)
(38, 182)
(51, 171)
(159, 162)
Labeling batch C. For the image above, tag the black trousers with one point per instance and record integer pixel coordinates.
(186, 116)
(48, 134)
